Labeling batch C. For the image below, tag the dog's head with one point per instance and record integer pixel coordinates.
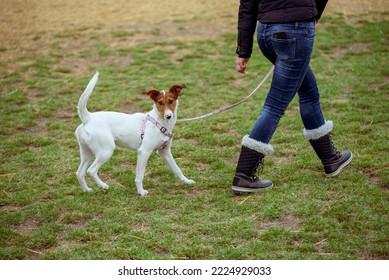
(166, 101)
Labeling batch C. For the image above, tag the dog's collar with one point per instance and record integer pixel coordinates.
(161, 128)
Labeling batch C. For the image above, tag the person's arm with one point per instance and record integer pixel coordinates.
(247, 22)
(320, 6)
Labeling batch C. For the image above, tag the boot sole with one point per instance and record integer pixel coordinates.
(242, 190)
(344, 164)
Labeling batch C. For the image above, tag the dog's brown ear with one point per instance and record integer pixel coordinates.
(176, 89)
(153, 93)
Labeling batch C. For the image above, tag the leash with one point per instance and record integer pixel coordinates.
(218, 111)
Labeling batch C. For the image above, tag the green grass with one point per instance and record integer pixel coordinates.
(45, 215)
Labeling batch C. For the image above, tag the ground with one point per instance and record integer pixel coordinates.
(22, 21)
(48, 51)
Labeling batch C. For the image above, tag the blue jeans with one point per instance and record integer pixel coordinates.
(290, 51)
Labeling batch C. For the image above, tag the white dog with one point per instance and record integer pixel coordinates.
(101, 132)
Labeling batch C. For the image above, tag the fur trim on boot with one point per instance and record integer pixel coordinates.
(258, 146)
(314, 134)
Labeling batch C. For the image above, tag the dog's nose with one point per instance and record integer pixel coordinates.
(169, 116)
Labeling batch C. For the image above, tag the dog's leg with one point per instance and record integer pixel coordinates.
(86, 158)
(101, 158)
(143, 157)
(168, 158)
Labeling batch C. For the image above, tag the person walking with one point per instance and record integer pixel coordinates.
(285, 36)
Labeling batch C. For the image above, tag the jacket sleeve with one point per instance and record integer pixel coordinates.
(320, 5)
(247, 22)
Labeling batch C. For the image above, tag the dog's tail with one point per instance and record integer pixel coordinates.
(83, 112)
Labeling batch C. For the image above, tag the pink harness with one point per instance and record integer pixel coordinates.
(161, 128)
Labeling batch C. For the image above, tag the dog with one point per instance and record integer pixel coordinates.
(101, 132)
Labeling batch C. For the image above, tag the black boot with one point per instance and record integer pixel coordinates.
(332, 160)
(250, 159)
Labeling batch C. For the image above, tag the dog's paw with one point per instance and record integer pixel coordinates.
(104, 187)
(88, 190)
(188, 182)
(143, 192)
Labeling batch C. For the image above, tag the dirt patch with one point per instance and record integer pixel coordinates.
(69, 31)
(340, 51)
(287, 222)
(34, 25)
(356, 7)
(54, 15)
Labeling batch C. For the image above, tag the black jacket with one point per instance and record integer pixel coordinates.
(272, 11)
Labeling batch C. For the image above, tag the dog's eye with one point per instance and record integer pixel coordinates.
(171, 101)
(160, 103)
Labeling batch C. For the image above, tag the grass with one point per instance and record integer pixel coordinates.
(45, 214)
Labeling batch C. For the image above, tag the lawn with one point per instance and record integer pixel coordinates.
(44, 214)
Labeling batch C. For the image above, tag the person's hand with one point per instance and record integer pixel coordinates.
(240, 64)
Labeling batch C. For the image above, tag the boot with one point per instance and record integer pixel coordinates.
(332, 160)
(250, 159)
